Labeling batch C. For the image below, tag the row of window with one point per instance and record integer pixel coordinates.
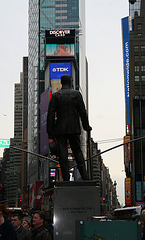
(138, 78)
(137, 48)
(136, 58)
(137, 88)
(139, 26)
(140, 97)
(136, 68)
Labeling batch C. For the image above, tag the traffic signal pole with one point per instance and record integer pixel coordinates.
(88, 159)
(110, 149)
(35, 154)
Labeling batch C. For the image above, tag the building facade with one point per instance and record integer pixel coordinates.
(135, 157)
(14, 162)
(50, 15)
(100, 174)
(16, 142)
(134, 6)
(5, 168)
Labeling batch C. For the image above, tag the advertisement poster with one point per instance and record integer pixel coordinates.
(125, 33)
(58, 69)
(60, 50)
(44, 100)
(128, 191)
(127, 153)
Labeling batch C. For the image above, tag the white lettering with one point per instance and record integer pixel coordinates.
(65, 69)
(59, 33)
(127, 66)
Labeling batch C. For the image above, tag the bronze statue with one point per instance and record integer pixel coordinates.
(65, 110)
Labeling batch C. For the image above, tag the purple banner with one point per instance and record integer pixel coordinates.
(44, 100)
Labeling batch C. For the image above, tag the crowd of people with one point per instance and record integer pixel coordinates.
(15, 227)
(141, 218)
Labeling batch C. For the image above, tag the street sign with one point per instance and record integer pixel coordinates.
(4, 143)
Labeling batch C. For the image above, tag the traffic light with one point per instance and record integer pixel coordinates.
(19, 202)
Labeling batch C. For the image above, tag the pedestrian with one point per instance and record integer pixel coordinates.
(65, 110)
(38, 230)
(141, 219)
(48, 222)
(143, 212)
(21, 232)
(7, 231)
(26, 224)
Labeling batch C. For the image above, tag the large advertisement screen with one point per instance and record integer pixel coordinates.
(60, 43)
(60, 50)
(125, 32)
(58, 69)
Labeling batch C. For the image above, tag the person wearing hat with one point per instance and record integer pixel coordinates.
(65, 110)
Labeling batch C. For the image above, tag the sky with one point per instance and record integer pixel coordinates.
(105, 74)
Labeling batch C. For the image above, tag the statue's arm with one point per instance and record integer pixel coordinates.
(83, 113)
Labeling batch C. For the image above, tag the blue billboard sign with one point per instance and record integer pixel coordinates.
(59, 68)
(125, 31)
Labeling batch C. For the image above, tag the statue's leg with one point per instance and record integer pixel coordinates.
(74, 140)
(63, 156)
(81, 166)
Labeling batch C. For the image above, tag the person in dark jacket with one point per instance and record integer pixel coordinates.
(65, 110)
(48, 222)
(21, 232)
(7, 231)
(38, 231)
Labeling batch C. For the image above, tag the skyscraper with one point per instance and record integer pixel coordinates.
(134, 7)
(50, 15)
(14, 165)
(15, 155)
(135, 163)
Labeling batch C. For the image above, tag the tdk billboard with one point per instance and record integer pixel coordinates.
(58, 69)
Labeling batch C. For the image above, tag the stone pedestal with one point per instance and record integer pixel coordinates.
(74, 201)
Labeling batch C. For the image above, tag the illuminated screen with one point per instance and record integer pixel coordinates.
(60, 50)
(52, 172)
(58, 69)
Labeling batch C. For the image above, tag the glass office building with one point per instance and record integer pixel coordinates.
(134, 8)
(49, 15)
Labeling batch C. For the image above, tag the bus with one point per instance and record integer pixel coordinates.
(127, 213)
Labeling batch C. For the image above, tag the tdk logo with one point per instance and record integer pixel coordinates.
(62, 69)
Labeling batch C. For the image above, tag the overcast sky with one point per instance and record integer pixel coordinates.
(106, 79)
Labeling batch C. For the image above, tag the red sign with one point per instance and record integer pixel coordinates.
(35, 195)
(128, 191)
(140, 203)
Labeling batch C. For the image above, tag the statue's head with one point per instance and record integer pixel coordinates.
(66, 80)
